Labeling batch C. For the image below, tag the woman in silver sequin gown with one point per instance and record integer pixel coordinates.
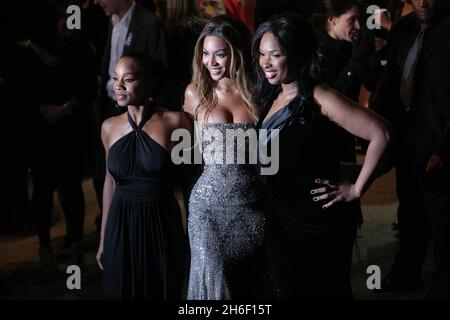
(226, 223)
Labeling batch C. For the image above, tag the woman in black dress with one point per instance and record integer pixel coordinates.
(309, 240)
(347, 49)
(143, 248)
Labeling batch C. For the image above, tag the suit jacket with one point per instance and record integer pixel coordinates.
(147, 34)
(426, 127)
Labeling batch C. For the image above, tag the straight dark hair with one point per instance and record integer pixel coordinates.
(332, 8)
(299, 43)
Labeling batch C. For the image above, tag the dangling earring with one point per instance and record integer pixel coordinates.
(150, 100)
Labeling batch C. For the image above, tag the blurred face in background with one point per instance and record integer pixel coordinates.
(345, 27)
(111, 7)
(211, 8)
(425, 9)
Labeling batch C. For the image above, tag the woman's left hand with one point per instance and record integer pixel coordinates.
(342, 191)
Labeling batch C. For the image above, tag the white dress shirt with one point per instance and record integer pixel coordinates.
(118, 39)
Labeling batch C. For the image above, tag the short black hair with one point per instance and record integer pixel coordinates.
(150, 68)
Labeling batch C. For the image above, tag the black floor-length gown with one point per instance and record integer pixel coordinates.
(309, 248)
(145, 248)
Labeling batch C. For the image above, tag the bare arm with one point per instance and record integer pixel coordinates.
(190, 100)
(108, 192)
(183, 122)
(362, 123)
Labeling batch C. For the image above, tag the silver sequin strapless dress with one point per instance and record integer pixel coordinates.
(226, 223)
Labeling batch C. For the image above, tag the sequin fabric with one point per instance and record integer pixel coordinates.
(226, 223)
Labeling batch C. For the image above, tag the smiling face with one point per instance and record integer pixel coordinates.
(129, 87)
(346, 26)
(272, 60)
(216, 57)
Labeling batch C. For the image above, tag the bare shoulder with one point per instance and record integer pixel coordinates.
(330, 101)
(322, 93)
(347, 113)
(175, 119)
(191, 91)
(321, 88)
(190, 98)
(110, 126)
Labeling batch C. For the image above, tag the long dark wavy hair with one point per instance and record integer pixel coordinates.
(299, 43)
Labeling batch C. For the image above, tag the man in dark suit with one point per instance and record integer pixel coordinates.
(414, 94)
(132, 29)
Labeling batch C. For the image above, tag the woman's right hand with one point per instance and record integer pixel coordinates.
(99, 256)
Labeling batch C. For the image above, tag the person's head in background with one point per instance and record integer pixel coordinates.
(50, 24)
(42, 27)
(340, 19)
(137, 80)
(426, 10)
(114, 7)
(399, 8)
(61, 16)
(222, 53)
(211, 8)
(178, 11)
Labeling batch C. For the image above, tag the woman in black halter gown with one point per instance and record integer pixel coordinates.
(143, 248)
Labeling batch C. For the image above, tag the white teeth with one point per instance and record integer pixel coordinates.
(215, 71)
(270, 74)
